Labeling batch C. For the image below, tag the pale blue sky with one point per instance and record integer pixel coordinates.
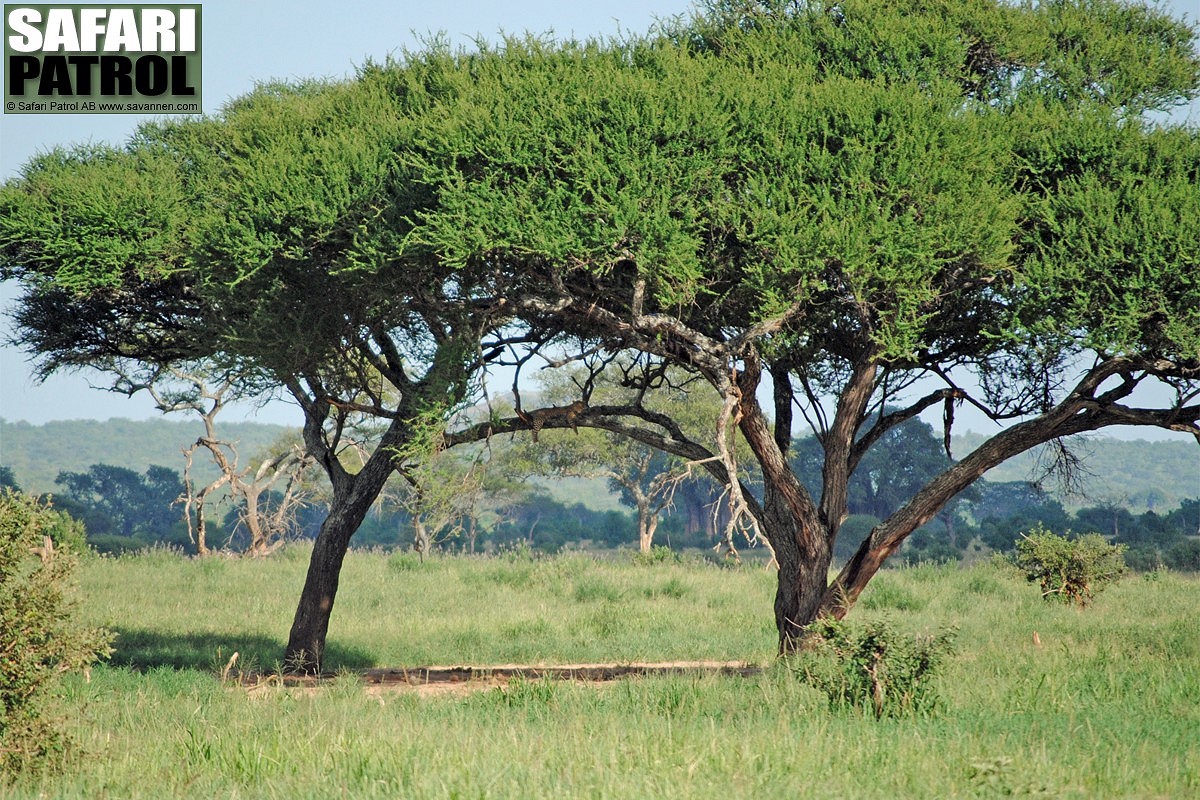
(248, 41)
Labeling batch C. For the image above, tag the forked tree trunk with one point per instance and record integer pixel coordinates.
(801, 541)
(647, 524)
(258, 538)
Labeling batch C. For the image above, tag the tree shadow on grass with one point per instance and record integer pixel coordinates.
(143, 649)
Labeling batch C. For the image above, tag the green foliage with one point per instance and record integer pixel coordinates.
(1071, 569)
(117, 500)
(868, 151)
(40, 635)
(7, 479)
(1184, 555)
(730, 169)
(874, 667)
(658, 554)
(66, 532)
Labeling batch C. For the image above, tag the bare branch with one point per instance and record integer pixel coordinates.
(817, 422)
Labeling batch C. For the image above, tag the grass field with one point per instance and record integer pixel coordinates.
(1107, 705)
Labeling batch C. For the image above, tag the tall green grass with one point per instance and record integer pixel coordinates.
(1108, 705)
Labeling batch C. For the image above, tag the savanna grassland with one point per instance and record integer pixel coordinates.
(1106, 702)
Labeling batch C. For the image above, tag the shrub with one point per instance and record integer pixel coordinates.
(658, 554)
(64, 531)
(874, 667)
(1143, 558)
(39, 635)
(1073, 570)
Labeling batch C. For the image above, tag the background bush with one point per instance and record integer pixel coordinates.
(1071, 569)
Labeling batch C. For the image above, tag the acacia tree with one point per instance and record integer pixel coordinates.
(646, 477)
(853, 213)
(266, 241)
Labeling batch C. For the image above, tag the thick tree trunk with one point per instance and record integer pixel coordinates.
(795, 527)
(306, 643)
(802, 577)
(353, 497)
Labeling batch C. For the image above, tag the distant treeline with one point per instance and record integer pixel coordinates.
(126, 498)
(1137, 475)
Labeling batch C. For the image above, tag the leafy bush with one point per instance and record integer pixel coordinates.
(874, 667)
(658, 554)
(39, 636)
(64, 531)
(1073, 570)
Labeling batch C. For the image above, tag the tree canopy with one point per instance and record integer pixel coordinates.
(853, 212)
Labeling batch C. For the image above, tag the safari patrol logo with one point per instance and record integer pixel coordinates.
(97, 59)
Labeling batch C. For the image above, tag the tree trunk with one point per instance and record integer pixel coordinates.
(420, 537)
(799, 534)
(802, 577)
(306, 643)
(258, 538)
(353, 497)
(647, 524)
(201, 533)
